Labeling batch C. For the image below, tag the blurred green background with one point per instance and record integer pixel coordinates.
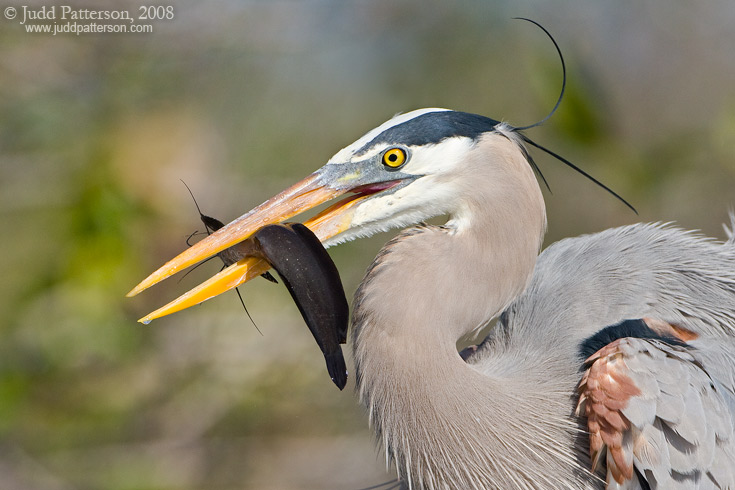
(240, 99)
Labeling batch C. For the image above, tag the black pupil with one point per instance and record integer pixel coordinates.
(392, 157)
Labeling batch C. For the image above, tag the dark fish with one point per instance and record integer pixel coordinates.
(311, 277)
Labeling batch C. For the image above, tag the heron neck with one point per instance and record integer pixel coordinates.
(446, 423)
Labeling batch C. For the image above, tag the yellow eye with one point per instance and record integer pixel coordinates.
(394, 158)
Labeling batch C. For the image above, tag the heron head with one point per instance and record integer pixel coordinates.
(409, 169)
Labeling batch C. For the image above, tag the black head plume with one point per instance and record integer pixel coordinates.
(563, 80)
(546, 118)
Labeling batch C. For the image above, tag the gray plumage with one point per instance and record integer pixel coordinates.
(581, 285)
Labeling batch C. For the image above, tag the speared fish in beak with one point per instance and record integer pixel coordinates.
(253, 247)
(310, 276)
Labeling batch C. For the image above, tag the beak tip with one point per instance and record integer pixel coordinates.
(145, 284)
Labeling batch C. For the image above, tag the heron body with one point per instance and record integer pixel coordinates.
(651, 406)
(506, 419)
(509, 415)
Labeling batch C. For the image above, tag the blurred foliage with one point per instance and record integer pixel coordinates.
(240, 100)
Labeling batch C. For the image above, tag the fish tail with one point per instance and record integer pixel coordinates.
(337, 368)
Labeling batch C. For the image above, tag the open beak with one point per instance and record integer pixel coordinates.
(302, 196)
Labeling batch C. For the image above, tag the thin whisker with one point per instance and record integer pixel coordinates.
(237, 290)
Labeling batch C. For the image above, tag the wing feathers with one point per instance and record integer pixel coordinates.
(652, 407)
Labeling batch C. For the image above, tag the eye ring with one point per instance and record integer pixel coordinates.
(394, 158)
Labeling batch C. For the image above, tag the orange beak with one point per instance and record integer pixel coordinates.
(302, 196)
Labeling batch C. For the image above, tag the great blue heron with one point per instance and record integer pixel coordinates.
(613, 360)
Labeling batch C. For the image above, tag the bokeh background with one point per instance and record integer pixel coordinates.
(240, 99)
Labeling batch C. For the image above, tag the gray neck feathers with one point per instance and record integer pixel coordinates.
(444, 423)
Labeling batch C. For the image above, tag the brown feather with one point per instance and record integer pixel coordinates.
(604, 392)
